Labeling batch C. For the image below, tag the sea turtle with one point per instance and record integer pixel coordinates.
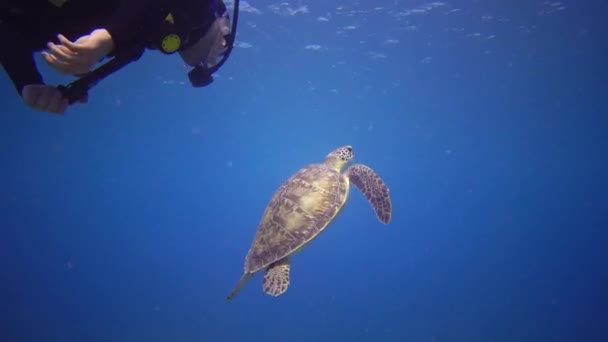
(301, 209)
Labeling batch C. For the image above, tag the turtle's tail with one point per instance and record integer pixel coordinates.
(240, 285)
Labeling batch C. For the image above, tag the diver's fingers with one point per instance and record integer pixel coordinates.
(61, 52)
(74, 47)
(55, 103)
(56, 107)
(52, 59)
(44, 98)
(51, 100)
(54, 62)
(31, 95)
(75, 66)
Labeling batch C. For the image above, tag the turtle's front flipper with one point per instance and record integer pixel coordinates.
(276, 279)
(374, 189)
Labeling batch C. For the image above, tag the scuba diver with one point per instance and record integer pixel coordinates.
(73, 36)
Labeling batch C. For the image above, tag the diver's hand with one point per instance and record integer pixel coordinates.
(80, 56)
(46, 98)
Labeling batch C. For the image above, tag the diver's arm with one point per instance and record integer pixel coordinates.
(17, 59)
(128, 19)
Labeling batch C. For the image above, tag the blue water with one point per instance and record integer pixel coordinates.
(128, 219)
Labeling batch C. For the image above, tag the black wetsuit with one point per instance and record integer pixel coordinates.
(27, 25)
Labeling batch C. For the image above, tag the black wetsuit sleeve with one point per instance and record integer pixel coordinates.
(126, 24)
(17, 59)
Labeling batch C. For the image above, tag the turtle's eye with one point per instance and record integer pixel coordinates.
(349, 149)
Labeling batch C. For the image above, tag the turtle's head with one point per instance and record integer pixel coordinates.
(339, 157)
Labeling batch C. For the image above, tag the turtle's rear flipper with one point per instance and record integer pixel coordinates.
(374, 189)
(276, 279)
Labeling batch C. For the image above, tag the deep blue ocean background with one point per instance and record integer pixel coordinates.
(128, 218)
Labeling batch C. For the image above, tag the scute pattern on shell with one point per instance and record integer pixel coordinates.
(298, 211)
